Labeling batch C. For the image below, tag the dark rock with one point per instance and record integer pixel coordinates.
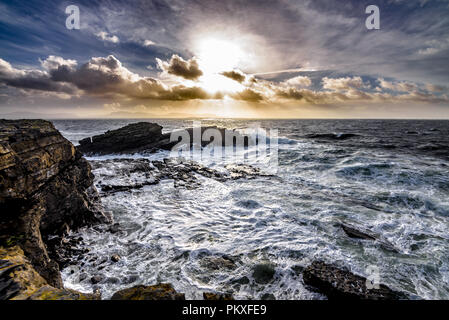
(297, 269)
(114, 228)
(217, 296)
(263, 273)
(268, 296)
(46, 189)
(133, 137)
(218, 263)
(115, 258)
(145, 137)
(331, 136)
(242, 280)
(163, 291)
(96, 279)
(354, 233)
(368, 235)
(336, 283)
(113, 280)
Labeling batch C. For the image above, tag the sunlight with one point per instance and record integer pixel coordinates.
(217, 55)
(213, 83)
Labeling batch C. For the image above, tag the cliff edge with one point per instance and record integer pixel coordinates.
(46, 189)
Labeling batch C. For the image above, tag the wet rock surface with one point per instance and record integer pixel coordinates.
(137, 173)
(263, 273)
(336, 283)
(217, 296)
(363, 234)
(163, 291)
(46, 189)
(50, 293)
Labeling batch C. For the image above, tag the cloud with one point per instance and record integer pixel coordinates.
(236, 75)
(179, 67)
(299, 81)
(103, 35)
(31, 80)
(343, 84)
(148, 43)
(101, 76)
(107, 78)
(53, 62)
(248, 95)
(398, 86)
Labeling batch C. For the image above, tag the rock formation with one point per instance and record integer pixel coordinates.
(336, 283)
(46, 189)
(163, 291)
(145, 137)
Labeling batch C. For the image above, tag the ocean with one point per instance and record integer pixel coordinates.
(390, 177)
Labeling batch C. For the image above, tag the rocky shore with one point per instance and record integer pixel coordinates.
(47, 190)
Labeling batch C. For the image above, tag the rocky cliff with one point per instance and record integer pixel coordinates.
(46, 189)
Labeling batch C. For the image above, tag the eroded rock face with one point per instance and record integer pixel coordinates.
(20, 281)
(163, 291)
(336, 283)
(46, 188)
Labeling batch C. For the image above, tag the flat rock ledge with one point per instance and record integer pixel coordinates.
(336, 283)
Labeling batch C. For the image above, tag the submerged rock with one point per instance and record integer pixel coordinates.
(218, 263)
(332, 136)
(336, 283)
(115, 258)
(163, 291)
(46, 189)
(263, 273)
(352, 232)
(217, 296)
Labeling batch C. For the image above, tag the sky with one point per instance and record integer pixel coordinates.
(224, 58)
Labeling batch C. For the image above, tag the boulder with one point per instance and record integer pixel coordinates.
(217, 296)
(336, 283)
(46, 188)
(263, 273)
(163, 291)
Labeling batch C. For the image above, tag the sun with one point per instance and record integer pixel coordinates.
(217, 55)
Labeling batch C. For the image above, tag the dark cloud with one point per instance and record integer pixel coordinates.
(31, 80)
(236, 75)
(101, 76)
(179, 67)
(248, 95)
